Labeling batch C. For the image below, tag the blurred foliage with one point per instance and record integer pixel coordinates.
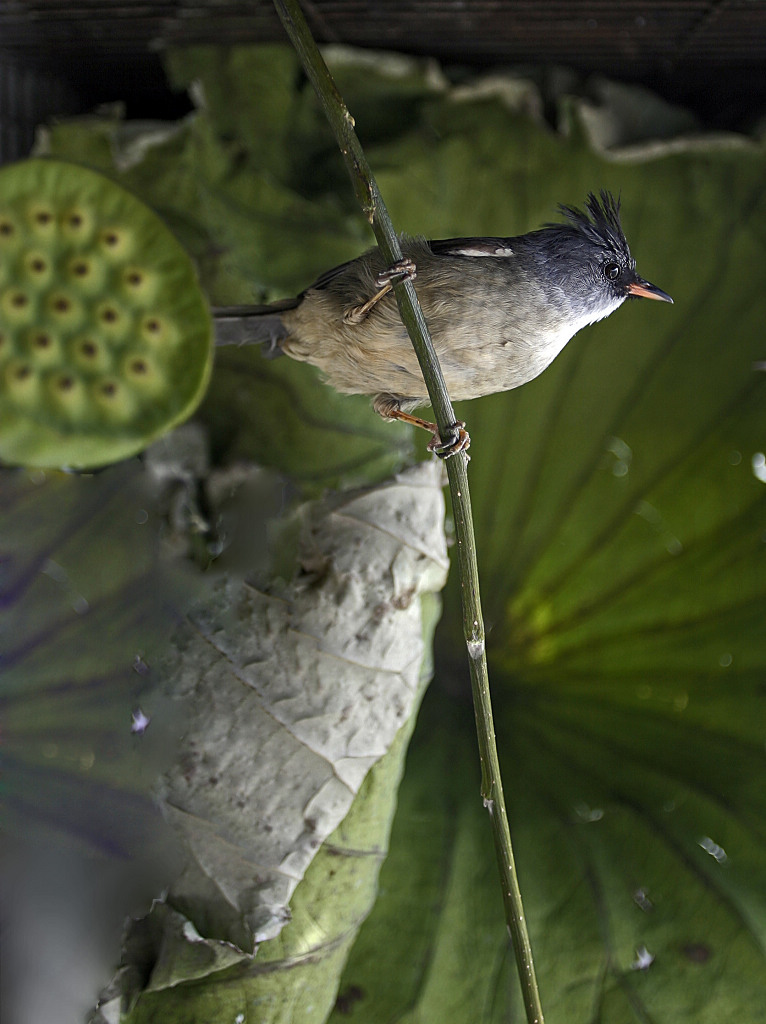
(621, 519)
(87, 607)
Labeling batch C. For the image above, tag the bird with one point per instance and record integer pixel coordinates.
(499, 311)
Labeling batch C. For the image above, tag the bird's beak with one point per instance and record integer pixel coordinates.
(645, 290)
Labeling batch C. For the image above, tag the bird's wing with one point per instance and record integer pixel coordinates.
(329, 275)
(497, 247)
(439, 247)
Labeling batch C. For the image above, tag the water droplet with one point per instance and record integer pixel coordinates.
(55, 571)
(641, 899)
(140, 666)
(140, 722)
(644, 959)
(758, 462)
(648, 512)
(623, 455)
(716, 852)
(588, 813)
(475, 649)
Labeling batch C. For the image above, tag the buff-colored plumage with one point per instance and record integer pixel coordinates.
(499, 309)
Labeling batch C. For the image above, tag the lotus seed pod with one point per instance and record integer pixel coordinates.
(105, 335)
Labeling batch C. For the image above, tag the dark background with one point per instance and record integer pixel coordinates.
(60, 56)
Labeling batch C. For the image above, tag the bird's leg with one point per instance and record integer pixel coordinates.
(458, 439)
(404, 269)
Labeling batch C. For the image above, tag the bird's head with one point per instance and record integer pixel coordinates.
(592, 259)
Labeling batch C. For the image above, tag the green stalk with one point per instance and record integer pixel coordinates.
(366, 189)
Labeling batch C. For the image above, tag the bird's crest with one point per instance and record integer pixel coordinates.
(601, 223)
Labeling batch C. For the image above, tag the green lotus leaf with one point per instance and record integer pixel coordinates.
(620, 508)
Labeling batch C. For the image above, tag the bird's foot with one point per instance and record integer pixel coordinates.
(457, 439)
(404, 270)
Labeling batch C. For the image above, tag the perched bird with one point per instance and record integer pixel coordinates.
(499, 311)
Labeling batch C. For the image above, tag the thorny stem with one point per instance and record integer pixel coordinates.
(374, 208)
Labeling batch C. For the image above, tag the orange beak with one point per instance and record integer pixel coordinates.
(644, 290)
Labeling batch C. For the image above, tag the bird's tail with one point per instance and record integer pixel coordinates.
(253, 325)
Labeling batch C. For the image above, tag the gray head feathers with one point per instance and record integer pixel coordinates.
(600, 225)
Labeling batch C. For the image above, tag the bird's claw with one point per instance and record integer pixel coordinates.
(404, 268)
(385, 280)
(457, 440)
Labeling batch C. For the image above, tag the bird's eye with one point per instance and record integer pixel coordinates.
(612, 271)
